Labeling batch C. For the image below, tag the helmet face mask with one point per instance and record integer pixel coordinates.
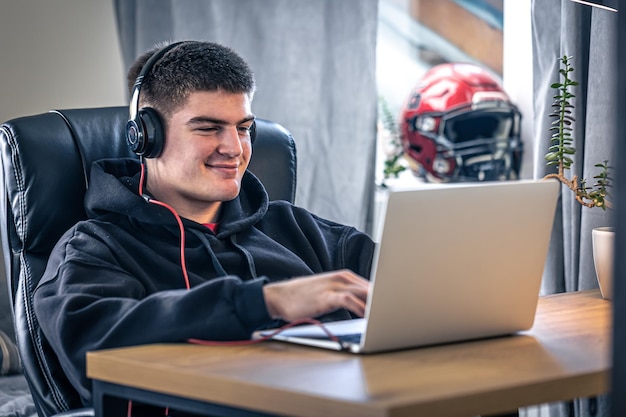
(459, 125)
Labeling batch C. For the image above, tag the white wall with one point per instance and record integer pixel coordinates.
(58, 54)
(517, 72)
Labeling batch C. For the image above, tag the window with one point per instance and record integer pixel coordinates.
(415, 35)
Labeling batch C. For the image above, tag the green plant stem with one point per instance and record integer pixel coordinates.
(562, 150)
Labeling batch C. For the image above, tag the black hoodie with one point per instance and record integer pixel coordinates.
(116, 279)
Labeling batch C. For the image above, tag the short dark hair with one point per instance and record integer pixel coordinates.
(189, 67)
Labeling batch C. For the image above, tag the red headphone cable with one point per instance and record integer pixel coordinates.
(183, 263)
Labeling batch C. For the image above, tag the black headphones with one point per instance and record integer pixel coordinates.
(144, 131)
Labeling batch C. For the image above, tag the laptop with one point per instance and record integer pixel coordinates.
(455, 262)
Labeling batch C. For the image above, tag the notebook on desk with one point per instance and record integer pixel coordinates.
(455, 262)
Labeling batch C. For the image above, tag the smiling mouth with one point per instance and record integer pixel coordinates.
(224, 168)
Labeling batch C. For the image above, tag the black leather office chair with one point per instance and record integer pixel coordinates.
(45, 166)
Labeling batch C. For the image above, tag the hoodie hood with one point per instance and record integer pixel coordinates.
(113, 192)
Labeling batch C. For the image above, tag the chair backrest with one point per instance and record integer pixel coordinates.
(46, 160)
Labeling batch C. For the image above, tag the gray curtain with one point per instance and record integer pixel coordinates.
(314, 61)
(589, 35)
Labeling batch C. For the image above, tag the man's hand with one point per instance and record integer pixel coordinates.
(307, 297)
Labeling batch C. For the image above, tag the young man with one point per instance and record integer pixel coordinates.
(121, 278)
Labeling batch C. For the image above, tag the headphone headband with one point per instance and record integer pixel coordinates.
(147, 67)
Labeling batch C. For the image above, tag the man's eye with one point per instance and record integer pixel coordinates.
(208, 129)
(244, 129)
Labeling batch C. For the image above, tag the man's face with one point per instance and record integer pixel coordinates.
(207, 150)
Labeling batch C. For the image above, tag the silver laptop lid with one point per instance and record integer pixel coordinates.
(458, 262)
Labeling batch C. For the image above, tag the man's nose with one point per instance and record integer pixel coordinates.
(231, 142)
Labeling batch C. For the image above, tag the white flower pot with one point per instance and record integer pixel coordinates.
(603, 241)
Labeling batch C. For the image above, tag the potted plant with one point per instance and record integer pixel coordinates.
(560, 155)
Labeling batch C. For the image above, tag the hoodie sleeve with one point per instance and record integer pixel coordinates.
(356, 252)
(327, 245)
(86, 301)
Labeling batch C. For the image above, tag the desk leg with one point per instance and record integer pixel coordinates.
(111, 400)
(111, 406)
(105, 405)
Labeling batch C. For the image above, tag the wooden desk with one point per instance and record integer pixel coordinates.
(565, 355)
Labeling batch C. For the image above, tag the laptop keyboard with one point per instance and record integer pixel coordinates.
(350, 338)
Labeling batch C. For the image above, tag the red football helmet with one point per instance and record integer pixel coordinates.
(459, 125)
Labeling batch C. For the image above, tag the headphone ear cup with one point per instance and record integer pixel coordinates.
(253, 132)
(150, 137)
(135, 136)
